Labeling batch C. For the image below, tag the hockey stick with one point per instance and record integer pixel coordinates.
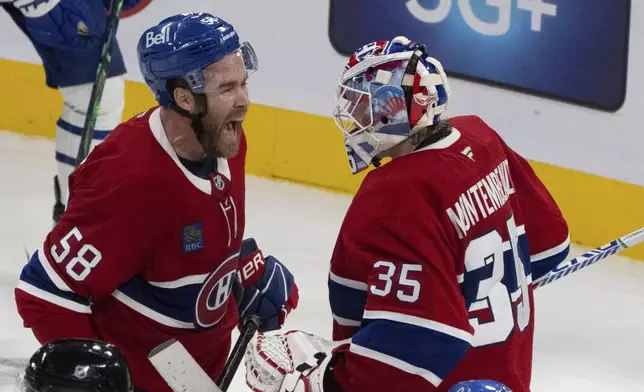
(183, 374)
(179, 369)
(250, 327)
(94, 101)
(99, 82)
(591, 257)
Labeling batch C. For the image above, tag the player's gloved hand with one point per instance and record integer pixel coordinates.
(479, 386)
(292, 362)
(269, 289)
(66, 24)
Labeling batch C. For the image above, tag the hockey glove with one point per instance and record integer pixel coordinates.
(269, 289)
(292, 362)
(65, 24)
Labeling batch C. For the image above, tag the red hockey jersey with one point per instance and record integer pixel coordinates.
(145, 252)
(430, 277)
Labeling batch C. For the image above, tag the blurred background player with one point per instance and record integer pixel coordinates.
(150, 245)
(430, 278)
(76, 365)
(68, 36)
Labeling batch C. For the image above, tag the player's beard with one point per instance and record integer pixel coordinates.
(220, 139)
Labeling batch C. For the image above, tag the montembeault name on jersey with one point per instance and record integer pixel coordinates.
(484, 198)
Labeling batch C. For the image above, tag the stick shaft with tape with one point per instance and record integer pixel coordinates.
(236, 356)
(591, 257)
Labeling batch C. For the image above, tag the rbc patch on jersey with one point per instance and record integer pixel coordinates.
(193, 238)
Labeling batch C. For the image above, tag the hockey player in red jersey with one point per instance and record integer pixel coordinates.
(430, 278)
(149, 246)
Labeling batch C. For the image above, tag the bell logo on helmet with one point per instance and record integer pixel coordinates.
(156, 39)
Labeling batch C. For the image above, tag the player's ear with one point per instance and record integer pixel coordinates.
(184, 99)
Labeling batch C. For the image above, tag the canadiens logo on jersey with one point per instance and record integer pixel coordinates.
(212, 301)
(193, 238)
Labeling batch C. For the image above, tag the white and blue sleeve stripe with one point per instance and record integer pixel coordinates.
(39, 279)
(544, 262)
(171, 303)
(348, 298)
(411, 344)
(168, 303)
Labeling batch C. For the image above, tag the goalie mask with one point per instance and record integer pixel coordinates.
(389, 91)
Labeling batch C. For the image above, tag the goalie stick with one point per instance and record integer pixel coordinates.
(183, 374)
(94, 100)
(591, 257)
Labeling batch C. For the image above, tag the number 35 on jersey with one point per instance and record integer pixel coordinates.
(496, 276)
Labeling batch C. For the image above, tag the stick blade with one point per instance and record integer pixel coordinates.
(179, 369)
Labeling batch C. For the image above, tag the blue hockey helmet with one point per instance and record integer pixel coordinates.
(479, 386)
(181, 46)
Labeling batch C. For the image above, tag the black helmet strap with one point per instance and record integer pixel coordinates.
(200, 100)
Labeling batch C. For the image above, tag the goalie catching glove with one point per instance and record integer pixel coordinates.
(292, 362)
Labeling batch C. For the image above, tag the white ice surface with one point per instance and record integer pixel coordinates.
(589, 326)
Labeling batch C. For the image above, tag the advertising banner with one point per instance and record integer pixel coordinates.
(576, 51)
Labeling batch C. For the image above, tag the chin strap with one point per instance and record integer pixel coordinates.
(197, 124)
